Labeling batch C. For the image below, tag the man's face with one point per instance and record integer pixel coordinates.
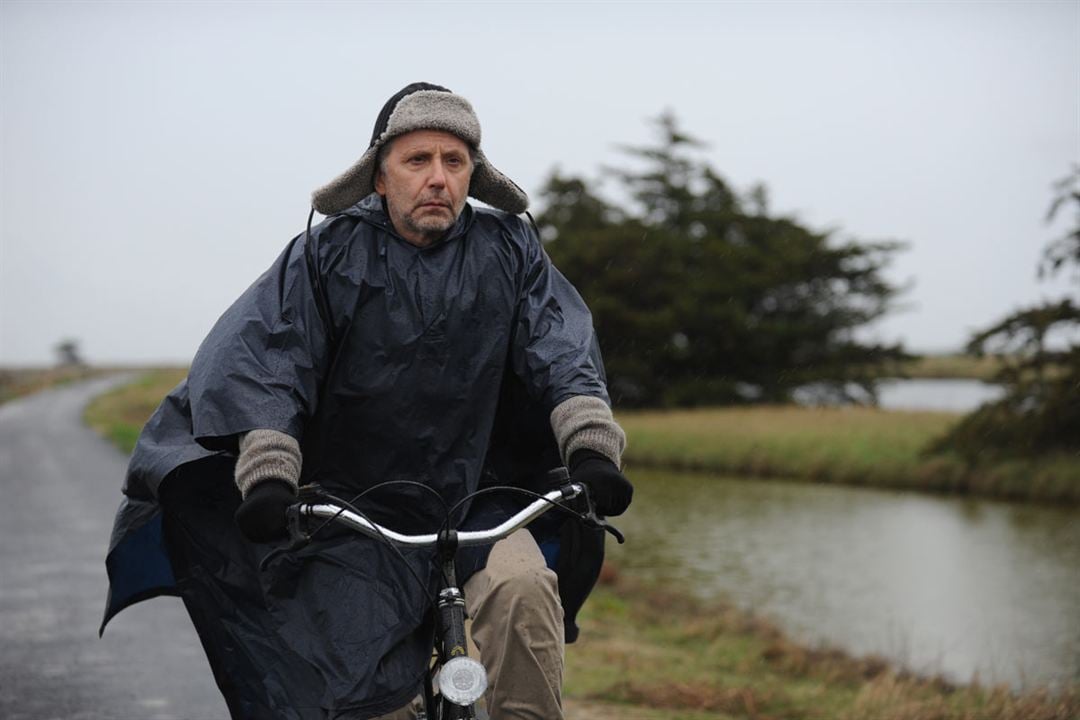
(425, 178)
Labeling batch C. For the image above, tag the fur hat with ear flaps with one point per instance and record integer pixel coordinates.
(421, 106)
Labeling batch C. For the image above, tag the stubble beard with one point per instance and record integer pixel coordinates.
(429, 228)
(425, 226)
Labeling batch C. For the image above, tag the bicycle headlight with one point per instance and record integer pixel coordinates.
(462, 681)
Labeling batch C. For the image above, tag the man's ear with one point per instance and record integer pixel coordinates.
(380, 184)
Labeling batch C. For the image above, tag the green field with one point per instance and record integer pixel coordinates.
(854, 445)
(851, 445)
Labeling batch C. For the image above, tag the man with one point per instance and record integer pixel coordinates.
(412, 337)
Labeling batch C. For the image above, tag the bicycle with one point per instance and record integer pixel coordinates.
(459, 679)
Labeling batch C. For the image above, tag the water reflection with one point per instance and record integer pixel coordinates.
(946, 395)
(958, 395)
(943, 585)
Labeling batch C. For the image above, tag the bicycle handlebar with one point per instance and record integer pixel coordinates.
(465, 538)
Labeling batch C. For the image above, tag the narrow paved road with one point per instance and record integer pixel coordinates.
(60, 487)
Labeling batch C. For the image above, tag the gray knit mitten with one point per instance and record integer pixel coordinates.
(267, 455)
(584, 422)
(267, 475)
(591, 444)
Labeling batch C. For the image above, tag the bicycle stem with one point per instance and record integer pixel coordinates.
(451, 604)
(451, 610)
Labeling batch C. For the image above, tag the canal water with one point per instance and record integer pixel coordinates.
(942, 395)
(946, 395)
(968, 588)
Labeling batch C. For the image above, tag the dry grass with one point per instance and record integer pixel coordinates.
(653, 648)
(580, 709)
(897, 698)
(954, 366)
(120, 414)
(855, 445)
(848, 445)
(17, 382)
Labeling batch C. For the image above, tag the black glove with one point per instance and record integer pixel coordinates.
(611, 492)
(261, 516)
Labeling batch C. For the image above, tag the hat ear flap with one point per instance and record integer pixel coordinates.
(492, 187)
(349, 188)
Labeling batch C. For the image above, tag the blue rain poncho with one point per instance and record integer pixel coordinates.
(386, 361)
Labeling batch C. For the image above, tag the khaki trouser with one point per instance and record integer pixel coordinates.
(517, 626)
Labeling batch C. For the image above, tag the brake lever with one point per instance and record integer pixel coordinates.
(591, 519)
(596, 521)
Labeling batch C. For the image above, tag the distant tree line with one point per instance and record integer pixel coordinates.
(1040, 350)
(701, 296)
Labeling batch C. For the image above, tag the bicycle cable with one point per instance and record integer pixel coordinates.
(346, 505)
(349, 505)
(510, 488)
(387, 483)
(448, 514)
(422, 486)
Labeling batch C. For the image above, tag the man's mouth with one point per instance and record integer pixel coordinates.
(435, 203)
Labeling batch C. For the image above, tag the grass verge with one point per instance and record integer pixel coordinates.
(941, 367)
(17, 382)
(120, 414)
(851, 445)
(666, 656)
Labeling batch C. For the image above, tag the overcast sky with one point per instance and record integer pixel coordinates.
(157, 156)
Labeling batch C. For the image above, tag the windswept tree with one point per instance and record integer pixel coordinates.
(701, 296)
(1040, 351)
(68, 354)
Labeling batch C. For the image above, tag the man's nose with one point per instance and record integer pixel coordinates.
(438, 174)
